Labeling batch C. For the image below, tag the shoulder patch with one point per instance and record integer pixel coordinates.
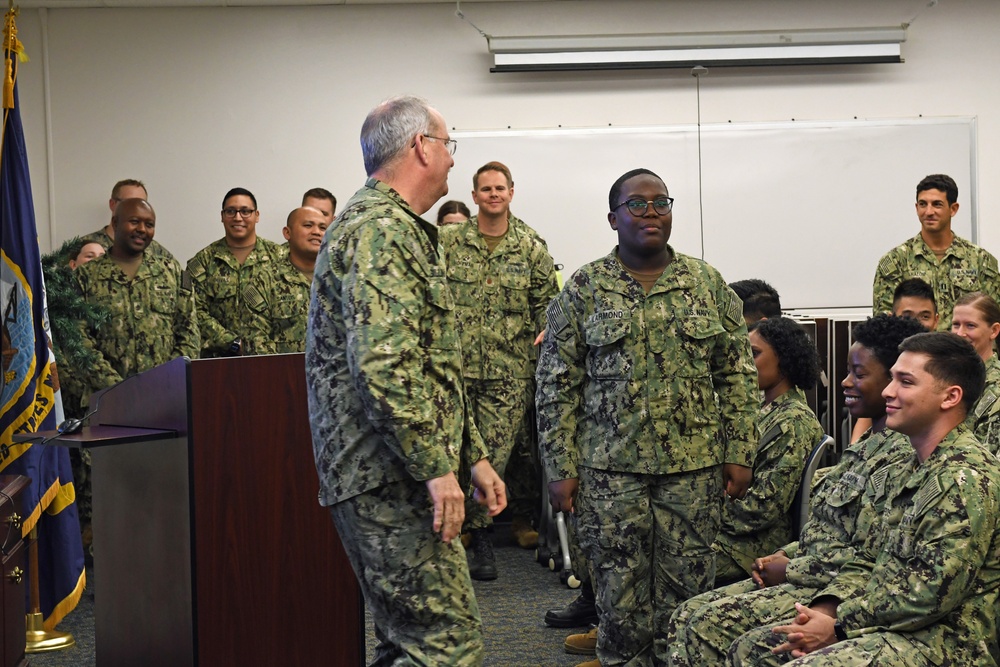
(886, 265)
(878, 479)
(556, 319)
(732, 309)
(771, 434)
(185, 280)
(929, 492)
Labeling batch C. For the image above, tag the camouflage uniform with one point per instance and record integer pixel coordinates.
(984, 420)
(388, 411)
(152, 317)
(106, 242)
(702, 629)
(291, 304)
(500, 301)
(964, 268)
(924, 588)
(760, 523)
(644, 397)
(235, 301)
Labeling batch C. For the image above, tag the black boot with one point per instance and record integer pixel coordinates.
(482, 564)
(579, 613)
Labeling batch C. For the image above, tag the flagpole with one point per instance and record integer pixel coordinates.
(37, 639)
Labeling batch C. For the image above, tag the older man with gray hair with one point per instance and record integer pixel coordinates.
(387, 406)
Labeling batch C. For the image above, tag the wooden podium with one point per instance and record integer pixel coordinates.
(210, 545)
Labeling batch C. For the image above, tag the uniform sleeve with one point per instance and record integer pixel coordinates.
(928, 566)
(187, 341)
(990, 276)
(887, 278)
(386, 294)
(544, 286)
(777, 472)
(735, 380)
(214, 336)
(559, 378)
(100, 374)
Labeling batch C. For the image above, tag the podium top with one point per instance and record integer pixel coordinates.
(99, 436)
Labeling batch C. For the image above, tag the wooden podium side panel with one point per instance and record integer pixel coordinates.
(272, 583)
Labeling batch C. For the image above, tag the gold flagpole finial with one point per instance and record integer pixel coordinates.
(11, 45)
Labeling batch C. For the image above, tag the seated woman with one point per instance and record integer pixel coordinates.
(977, 318)
(787, 363)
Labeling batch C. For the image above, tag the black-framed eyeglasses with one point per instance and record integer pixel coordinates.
(450, 144)
(637, 207)
(243, 212)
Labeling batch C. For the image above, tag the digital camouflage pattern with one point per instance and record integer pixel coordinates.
(702, 629)
(106, 242)
(291, 305)
(500, 302)
(388, 411)
(499, 410)
(984, 420)
(923, 589)
(964, 268)
(423, 615)
(760, 522)
(653, 383)
(381, 306)
(500, 297)
(234, 300)
(644, 396)
(152, 318)
(649, 542)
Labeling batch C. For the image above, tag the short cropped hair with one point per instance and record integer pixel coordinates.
(493, 166)
(916, 288)
(882, 334)
(798, 359)
(319, 193)
(453, 206)
(239, 191)
(616, 189)
(125, 182)
(942, 182)
(759, 299)
(953, 361)
(390, 127)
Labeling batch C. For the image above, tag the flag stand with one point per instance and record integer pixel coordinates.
(38, 639)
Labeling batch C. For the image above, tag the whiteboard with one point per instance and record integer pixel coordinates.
(809, 207)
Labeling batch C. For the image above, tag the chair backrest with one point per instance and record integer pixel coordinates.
(800, 506)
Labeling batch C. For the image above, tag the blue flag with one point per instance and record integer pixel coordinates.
(29, 398)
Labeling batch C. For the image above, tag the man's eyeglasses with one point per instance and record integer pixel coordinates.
(638, 207)
(450, 144)
(242, 212)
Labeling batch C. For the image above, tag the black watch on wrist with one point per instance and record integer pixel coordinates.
(838, 629)
(235, 348)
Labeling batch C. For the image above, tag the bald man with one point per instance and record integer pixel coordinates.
(303, 230)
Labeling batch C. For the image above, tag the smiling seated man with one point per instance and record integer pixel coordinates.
(923, 589)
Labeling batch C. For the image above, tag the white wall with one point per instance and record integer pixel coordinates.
(195, 101)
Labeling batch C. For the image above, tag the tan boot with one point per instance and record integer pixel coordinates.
(522, 532)
(582, 644)
(590, 663)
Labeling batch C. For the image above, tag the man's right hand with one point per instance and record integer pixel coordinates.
(769, 570)
(449, 505)
(562, 494)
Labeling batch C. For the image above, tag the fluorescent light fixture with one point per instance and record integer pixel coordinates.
(729, 49)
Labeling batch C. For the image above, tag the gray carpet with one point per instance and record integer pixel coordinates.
(512, 608)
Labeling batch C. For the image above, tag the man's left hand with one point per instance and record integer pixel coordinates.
(737, 479)
(490, 489)
(811, 630)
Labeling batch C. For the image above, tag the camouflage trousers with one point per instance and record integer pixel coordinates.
(649, 541)
(703, 628)
(523, 475)
(416, 586)
(881, 649)
(500, 410)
